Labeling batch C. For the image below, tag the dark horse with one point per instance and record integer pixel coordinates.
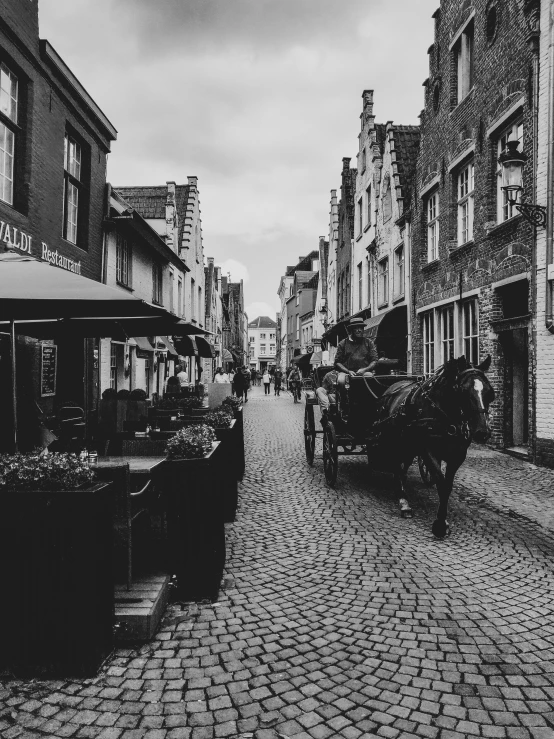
(436, 419)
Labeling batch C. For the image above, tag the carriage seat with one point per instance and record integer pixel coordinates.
(320, 372)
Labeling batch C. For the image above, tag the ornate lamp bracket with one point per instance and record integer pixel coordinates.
(535, 214)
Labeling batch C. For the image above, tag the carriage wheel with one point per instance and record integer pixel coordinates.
(309, 433)
(330, 456)
(425, 472)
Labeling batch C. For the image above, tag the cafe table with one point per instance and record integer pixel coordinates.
(142, 465)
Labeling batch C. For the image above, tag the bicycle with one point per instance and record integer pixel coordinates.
(294, 387)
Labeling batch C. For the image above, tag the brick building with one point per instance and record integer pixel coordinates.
(345, 239)
(235, 325)
(54, 145)
(472, 252)
(301, 300)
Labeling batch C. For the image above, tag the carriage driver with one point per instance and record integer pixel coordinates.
(357, 354)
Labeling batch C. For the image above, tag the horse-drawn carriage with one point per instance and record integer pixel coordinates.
(394, 418)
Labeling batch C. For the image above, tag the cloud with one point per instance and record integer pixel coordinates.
(253, 310)
(237, 270)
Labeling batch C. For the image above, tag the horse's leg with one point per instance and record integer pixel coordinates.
(444, 488)
(404, 465)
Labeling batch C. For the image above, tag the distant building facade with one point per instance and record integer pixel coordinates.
(262, 343)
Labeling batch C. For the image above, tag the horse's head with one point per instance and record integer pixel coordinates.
(475, 392)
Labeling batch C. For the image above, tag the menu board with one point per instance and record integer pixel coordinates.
(48, 362)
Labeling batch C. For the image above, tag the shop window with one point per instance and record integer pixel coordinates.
(464, 62)
(505, 210)
(433, 213)
(9, 91)
(398, 276)
(113, 366)
(470, 331)
(428, 322)
(122, 261)
(446, 316)
(157, 283)
(72, 188)
(383, 281)
(465, 193)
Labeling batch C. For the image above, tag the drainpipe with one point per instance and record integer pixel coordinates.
(549, 317)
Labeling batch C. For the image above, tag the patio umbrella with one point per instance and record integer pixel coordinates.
(31, 290)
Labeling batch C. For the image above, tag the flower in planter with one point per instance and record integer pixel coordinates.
(226, 409)
(191, 442)
(232, 402)
(218, 419)
(45, 472)
(138, 394)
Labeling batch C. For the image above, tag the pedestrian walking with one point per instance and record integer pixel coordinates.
(278, 378)
(266, 377)
(245, 383)
(221, 376)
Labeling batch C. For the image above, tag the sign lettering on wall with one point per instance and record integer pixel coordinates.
(13, 237)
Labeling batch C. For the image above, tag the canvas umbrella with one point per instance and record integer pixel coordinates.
(31, 290)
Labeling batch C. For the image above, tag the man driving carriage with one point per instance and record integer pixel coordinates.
(356, 355)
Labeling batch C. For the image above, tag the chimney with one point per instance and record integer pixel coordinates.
(193, 182)
(346, 163)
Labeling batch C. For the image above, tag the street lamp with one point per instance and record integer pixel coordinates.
(512, 162)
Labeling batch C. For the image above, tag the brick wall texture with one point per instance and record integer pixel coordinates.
(452, 134)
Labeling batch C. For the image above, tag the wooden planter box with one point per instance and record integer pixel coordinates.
(196, 531)
(57, 614)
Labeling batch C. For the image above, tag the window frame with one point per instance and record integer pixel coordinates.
(447, 332)
(73, 185)
(383, 282)
(10, 123)
(464, 61)
(157, 283)
(360, 216)
(123, 261)
(465, 198)
(113, 366)
(504, 210)
(470, 341)
(368, 206)
(428, 335)
(399, 273)
(360, 286)
(432, 225)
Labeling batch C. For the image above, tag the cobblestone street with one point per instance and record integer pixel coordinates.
(338, 618)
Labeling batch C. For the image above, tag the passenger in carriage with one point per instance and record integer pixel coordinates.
(356, 355)
(326, 394)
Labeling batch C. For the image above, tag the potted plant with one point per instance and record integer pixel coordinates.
(192, 478)
(107, 413)
(235, 405)
(225, 426)
(56, 560)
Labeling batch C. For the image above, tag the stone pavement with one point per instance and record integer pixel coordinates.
(337, 618)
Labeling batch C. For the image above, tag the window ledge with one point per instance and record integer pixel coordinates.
(157, 302)
(124, 286)
(463, 100)
(383, 305)
(429, 265)
(460, 247)
(398, 298)
(512, 222)
(359, 236)
(367, 227)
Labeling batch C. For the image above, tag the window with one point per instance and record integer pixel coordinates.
(180, 296)
(383, 281)
(200, 305)
(272, 348)
(429, 343)
(113, 366)
(157, 283)
(466, 184)
(297, 297)
(470, 331)
(363, 160)
(360, 216)
(262, 336)
(447, 333)
(360, 287)
(512, 133)
(72, 183)
(347, 290)
(368, 283)
(122, 261)
(398, 276)
(262, 348)
(297, 327)
(464, 57)
(387, 199)
(252, 354)
(192, 298)
(148, 374)
(433, 227)
(9, 90)
(251, 339)
(368, 206)
(272, 337)
(171, 286)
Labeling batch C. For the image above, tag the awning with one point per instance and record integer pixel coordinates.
(316, 358)
(226, 356)
(336, 333)
(372, 325)
(186, 346)
(390, 332)
(168, 345)
(143, 343)
(205, 349)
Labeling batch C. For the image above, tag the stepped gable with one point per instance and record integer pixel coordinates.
(404, 143)
(150, 202)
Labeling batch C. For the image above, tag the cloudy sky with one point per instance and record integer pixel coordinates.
(260, 99)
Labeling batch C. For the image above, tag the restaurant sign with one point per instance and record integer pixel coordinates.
(13, 237)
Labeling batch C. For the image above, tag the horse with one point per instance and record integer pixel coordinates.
(437, 419)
